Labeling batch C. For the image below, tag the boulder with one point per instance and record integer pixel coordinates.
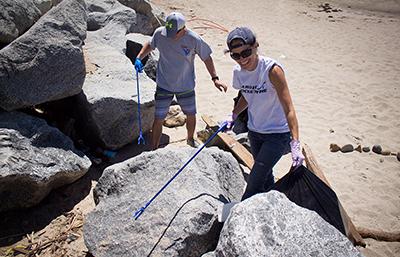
(109, 22)
(181, 221)
(34, 159)
(268, 224)
(108, 105)
(46, 63)
(16, 17)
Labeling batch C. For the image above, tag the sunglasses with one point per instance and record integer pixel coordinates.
(244, 54)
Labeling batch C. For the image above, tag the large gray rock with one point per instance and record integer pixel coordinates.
(46, 63)
(109, 102)
(109, 22)
(16, 16)
(147, 13)
(34, 159)
(43, 5)
(270, 225)
(181, 221)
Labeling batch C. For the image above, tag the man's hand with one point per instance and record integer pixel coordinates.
(297, 156)
(221, 86)
(138, 65)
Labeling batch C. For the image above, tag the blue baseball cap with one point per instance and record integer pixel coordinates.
(244, 34)
(175, 21)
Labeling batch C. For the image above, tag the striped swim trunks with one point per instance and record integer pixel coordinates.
(186, 100)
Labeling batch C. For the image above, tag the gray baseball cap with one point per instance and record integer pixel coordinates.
(243, 33)
(175, 21)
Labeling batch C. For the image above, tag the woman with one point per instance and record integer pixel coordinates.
(273, 127)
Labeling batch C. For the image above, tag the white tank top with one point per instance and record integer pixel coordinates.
(265, 111)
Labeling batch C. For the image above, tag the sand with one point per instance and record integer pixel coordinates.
(343, 70)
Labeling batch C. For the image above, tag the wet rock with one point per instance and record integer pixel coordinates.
(347, 148)
(366, 149)
(377, 149)
(398, 156)
(358, 149)
(385, 153)
(334, 148)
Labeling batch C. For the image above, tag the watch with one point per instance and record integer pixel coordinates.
(215, 78)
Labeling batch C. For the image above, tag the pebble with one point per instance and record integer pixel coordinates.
(398, 156)
(334, 148)
(358, 149)
(377, 149)
(366, 149)
(347, 148)
(385, 152)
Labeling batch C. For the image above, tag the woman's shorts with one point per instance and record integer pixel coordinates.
(163, 99)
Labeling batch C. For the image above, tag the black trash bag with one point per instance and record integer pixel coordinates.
(241, 121)
(305, 189)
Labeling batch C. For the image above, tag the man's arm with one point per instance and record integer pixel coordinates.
(146, 49)
(211, 69)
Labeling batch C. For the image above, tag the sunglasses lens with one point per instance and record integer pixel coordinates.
(235, 56)
(244, 54)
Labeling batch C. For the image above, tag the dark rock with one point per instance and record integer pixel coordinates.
(347, 148)
(334, 148)
(366, 149)
(377, 149)
(385, 153)
(358, 149)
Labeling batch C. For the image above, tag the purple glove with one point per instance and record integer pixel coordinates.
(297, 156)
(230, 120)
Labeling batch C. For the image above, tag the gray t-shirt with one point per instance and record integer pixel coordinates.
(175, 69)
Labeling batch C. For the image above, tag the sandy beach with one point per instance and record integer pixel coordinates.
(343, 70)
(342, 65)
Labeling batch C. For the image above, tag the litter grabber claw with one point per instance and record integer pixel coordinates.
(142, 209)
(141, 138)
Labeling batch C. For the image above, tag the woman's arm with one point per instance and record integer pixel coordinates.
(277, 77)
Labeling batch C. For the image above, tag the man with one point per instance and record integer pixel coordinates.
(175, 72)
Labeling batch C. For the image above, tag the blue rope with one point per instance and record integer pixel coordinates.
(140, 138)
(142, 209)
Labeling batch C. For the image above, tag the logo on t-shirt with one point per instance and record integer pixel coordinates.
(186, 50)
(254, 89)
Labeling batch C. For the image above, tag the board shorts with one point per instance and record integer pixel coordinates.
(163, 99)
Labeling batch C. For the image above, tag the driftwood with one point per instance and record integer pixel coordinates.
(237, 148)
(351, 231)
(379, 234)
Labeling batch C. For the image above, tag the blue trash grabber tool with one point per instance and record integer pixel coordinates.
(140, 138)
(142, 209)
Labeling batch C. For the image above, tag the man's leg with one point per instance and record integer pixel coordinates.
(187, 101)
(190, 126)
(156, 133)
(163, 99)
